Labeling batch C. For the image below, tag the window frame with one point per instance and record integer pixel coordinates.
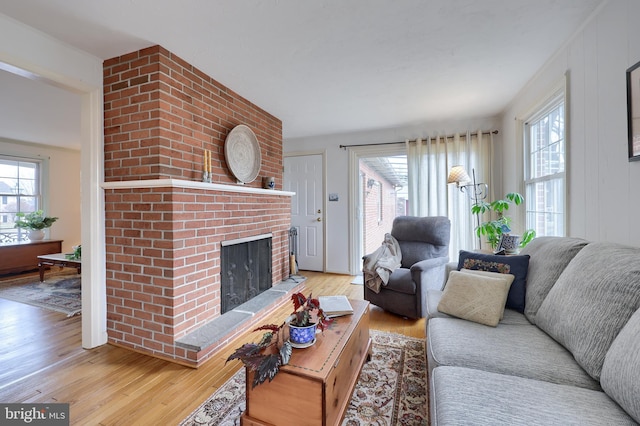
(39, 196)
(555, 98)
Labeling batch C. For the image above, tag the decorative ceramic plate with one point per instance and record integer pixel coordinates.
(242, 152)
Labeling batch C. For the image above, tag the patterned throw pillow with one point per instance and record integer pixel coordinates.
(514, 265)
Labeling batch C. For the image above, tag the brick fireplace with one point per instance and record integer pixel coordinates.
(164, 228)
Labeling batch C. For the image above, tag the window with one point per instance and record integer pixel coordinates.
(545, 145)
(19, 192)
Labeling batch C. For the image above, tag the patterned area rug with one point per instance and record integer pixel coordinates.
(391, 390)
(59, 292)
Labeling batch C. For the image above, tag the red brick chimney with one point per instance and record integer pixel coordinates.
(164, 226)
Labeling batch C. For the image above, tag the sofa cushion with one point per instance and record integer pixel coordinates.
(549, 257)
(476, 296)
(515, 265)
(592, 300)
(518, 350)
(463, 396)
(620, 376)
(509, 316)
(491, 274)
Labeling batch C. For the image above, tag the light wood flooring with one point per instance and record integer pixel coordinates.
(41, 360)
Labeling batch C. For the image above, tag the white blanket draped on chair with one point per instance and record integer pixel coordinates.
(380, 264)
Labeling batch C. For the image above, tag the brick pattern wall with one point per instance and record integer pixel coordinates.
(374, 229)
(163, 244)
(161, 113)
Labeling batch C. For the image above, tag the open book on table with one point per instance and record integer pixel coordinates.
(335, 306)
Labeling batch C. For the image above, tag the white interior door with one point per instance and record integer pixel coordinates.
(304, 176)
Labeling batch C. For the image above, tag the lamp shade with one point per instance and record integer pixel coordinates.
(458, 175)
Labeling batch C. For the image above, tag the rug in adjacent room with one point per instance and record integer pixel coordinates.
(58, 292)
(391, 389)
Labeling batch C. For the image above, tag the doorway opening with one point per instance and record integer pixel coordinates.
(381, 196)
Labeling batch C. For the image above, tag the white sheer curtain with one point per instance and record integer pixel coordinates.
(429, 162)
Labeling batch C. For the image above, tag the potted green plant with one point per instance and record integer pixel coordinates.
(35, 221)
(77, 253)
(499, 228)
(267, 356)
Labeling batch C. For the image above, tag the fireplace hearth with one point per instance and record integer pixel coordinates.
(245, 270)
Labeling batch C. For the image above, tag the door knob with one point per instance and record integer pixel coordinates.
(319, 219)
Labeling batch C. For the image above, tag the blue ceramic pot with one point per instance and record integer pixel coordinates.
(302, 335)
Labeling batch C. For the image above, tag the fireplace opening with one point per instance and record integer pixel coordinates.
(245, 270)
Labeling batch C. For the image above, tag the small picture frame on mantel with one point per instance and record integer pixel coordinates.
(633, 111)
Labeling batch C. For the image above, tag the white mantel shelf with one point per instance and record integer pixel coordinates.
(179, 183)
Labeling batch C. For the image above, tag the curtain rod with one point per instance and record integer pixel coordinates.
(495, 132)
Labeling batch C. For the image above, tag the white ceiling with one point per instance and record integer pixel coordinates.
(330, 66)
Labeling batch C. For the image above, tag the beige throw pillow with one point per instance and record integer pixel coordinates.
(500, 275)
(476, 296)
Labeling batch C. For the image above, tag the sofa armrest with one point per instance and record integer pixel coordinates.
(451, 266)
(429, 273)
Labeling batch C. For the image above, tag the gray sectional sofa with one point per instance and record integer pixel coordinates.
(571, 356)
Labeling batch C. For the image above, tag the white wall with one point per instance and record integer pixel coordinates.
(337, 220)
(603, 192)
(38, 112)
(63, 180)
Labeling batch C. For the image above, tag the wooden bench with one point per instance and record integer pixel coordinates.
(23, 256)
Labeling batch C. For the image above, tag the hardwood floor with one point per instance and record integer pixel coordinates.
(41, 360)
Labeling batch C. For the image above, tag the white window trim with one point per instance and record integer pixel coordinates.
(42, 178)
(537, 110)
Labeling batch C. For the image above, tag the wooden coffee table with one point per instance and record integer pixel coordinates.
(57, 259)
(316, 386)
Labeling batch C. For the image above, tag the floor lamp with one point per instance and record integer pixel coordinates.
(475, 191)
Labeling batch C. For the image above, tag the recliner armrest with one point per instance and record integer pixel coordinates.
(429, 273)
(426, 264)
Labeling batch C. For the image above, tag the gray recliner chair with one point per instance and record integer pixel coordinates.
(424, 244)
